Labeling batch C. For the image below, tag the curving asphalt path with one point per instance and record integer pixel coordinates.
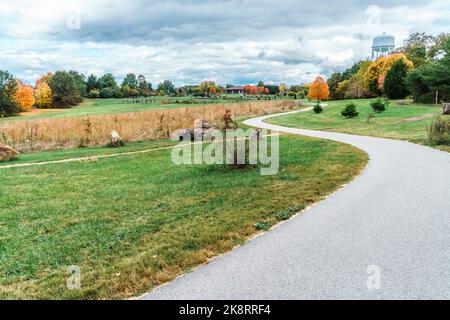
(395, 216)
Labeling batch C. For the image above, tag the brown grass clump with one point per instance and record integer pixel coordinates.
(66, 133)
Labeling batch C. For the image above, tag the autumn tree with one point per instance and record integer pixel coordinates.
(282, 88)
(23, 97)
(43, 95)
(45, 78)
(249, 89)
(377, 71)
(319, 90)
(207, 87)
(372, 76)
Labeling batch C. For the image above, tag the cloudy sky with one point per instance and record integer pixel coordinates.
(187, 41)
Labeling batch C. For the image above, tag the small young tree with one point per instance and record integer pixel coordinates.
(379, 105)
(350, 111)
(317, 108)
(395, 82)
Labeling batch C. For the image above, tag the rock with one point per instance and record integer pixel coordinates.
(7, 153)
(446, 108)
(116, 140)
(184, 135)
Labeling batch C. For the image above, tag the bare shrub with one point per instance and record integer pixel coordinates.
(439, 132)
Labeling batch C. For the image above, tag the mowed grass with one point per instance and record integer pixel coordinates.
(48, 156)
(93, 107)
(403, 122)
(134, 222)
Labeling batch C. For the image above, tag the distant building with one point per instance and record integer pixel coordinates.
(383, 45)
(234, 90)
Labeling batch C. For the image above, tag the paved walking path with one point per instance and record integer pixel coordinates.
(394, 218)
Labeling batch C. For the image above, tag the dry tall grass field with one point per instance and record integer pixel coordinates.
(65, 133)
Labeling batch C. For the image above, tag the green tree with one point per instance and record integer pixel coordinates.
(430, 78)
(417, 54)
(92, 83)
(438, 46)
(143, 86)
(65, 89)
(273, 89)
(167, 87)
(107, 93)
(80, 79)
(395, 83)
(131, 81)
(354, 69)
(7, 90)
(108, 81)
(333, 83)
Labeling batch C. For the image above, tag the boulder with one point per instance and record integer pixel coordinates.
(116, 140)
(183, 135)
(7, 153)
(446, 108)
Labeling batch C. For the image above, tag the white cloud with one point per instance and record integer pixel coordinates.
(228, 41)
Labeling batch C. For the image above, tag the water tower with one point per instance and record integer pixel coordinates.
(383, 45)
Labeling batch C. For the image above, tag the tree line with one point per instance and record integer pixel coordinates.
(65, 89)
(420, 69)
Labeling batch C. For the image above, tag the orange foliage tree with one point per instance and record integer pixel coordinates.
(250, 89)
(23, 96)
(45, 78)
(319, 90)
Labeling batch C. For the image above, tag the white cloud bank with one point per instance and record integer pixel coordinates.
(229, 41)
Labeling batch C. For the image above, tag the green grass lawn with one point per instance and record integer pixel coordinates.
(133, 222)
(403, 122)
(45, 156)
(114, 106)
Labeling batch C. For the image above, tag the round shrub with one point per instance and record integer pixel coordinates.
(379, 105)
(350, 111)
(318, 108)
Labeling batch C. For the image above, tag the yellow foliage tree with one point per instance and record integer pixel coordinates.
(283, 89)
(377, 71)
(43, 95)
(23, 96)
(319, 90)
